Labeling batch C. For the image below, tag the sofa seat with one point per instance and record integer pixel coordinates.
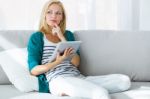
(43, 96)
(139, 90)
(8, 91)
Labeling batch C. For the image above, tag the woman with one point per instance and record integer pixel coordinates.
(61, 76)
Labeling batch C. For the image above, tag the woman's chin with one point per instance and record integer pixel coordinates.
(51, 25)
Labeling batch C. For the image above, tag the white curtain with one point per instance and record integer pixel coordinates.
(81, 14)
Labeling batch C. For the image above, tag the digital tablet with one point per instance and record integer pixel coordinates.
(69, 44)
(63, 45)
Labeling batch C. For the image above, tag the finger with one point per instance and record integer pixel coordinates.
(69, 51)
(54, 30)
(66, 51)
(55, 25)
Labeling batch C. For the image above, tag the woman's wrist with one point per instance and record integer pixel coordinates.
(63, 39)
(52, 64)
(58, 61)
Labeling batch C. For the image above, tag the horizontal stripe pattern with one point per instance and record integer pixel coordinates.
(65, 68)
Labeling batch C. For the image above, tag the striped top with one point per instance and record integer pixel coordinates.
(63, 69)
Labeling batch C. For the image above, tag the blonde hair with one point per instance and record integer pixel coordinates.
(43, 26)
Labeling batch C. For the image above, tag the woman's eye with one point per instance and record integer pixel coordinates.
(58, 13)
(49, 12)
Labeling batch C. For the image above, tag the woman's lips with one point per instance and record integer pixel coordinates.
(54, 21)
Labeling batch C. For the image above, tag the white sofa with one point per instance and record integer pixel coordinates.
(102, 52)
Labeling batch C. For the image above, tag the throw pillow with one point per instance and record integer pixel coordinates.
(14, 64)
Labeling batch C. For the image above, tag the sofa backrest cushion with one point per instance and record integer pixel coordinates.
(12, 39)
(102, 52)
(108, 52)
(3, 77)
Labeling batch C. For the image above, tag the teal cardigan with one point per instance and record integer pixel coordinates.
(35, 51)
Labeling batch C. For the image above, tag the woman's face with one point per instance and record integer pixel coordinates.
(54, 15)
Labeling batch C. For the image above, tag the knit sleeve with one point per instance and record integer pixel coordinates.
(34, 51)
(69, 36)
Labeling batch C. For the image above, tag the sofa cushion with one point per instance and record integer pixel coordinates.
(132, 94)
(14, 38)
(107, 52)
(8, 91)
(3, 77)
(139, 90)
(14, 63)
(43, 96)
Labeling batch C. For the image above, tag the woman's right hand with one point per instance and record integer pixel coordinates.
(57, 31)
(67, 53)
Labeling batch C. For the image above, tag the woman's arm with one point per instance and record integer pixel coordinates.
(76, 60)
(40, 69)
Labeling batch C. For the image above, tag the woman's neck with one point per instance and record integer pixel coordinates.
(52, 38)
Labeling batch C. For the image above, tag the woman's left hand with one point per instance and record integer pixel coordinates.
(67, 53)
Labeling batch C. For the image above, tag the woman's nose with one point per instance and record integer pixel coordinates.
(53, 15)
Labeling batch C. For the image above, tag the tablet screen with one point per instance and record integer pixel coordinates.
(63, 45)
(69, 44)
